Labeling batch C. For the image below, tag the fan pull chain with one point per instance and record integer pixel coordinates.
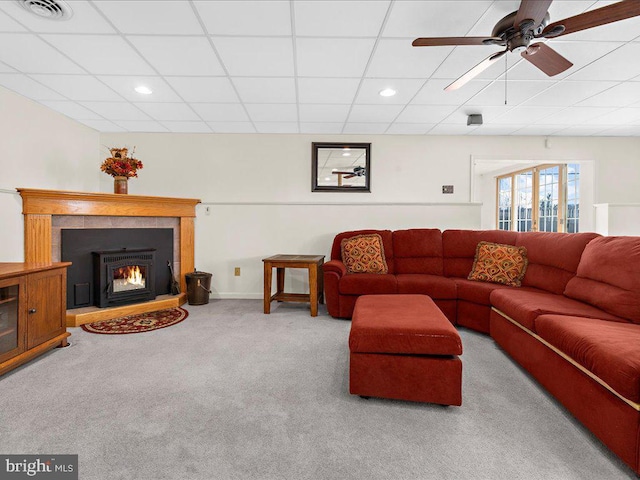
(505, 79)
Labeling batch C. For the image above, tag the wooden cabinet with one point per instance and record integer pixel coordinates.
(32, 311)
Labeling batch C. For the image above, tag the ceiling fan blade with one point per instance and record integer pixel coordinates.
(546, 59)
(594, 18)
(475, 71)
(531, 10)
(454, 41)
(349, 176)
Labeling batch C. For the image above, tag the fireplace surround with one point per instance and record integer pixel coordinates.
(41, 207)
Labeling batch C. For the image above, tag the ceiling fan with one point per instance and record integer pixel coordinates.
(516, 31)
(357, 171)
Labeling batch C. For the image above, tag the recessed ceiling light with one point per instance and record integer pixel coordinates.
(387, 92)
(327, 179)
(143, 90)
(346, 154)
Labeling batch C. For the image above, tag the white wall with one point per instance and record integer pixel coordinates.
(40, 149)
(612, 219)
(258, 189)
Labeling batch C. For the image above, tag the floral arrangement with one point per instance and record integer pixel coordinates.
(120, 165)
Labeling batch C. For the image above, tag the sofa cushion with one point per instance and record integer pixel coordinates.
(459, 248)
(368, 283)
(499, 263)
(418, 250)
(387, 244)
(476, 292)
(441, 288)
(525, 304)
(609, 276)
(363, 254)
(553, 258)
(609, 350)
(402, 324)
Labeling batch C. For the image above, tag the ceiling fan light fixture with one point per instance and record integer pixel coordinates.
(387, 92)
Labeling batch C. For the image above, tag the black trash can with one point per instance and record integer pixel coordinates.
(198, 287)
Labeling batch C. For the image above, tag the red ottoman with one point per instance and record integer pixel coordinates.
(403, 347)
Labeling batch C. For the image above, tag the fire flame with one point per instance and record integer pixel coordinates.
(133, 275)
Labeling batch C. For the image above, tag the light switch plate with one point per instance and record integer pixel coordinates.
(447, 188)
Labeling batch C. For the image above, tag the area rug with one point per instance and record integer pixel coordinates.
(141, 322)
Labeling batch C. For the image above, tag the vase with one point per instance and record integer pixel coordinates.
(120, 185)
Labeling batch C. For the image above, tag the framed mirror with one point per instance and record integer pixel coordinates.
(341, 167)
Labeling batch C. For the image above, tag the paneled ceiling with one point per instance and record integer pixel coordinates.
(314, 67)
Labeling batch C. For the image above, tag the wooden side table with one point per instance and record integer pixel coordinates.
(313, 263)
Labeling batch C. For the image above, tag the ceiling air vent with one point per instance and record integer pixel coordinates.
(50, 9)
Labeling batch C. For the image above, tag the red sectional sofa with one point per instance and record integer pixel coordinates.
(574, 324)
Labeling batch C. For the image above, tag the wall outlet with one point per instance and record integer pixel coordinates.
(237, 272)
(447, 188)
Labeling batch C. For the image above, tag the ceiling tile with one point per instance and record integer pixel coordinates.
(187, 127)
(125, 86)
(324, 113)
(85, 19)
(575, 115)
(168, 111)
(618, 96)
(116, 110)
(617, 65)
(4, 68)
(221, 112)
(491, 16)
(327, 90)
(245, 18)
(179, 55)
(410, 128)
(28, 54)
(312, 127)
(116, 56)
(450, 129)
(568, 93)
(578, 131)
(425, 113)
(433, 92)
(72, 109)
(8, 24)
(370, 88)
(232, 127)
(204, 89)
(78, 87)
(339, 19)
(374, 113)
(525, 114)
(412, 19)
(255, 56)
(621, 116)
(495, 130)
(27, 87)
(159, 18)
(265, 112)
(265, 90)
(396, 58)
(539, 130)
(141, 126)
(102, 125)
(365, 128)
(277, 127)
(517, 92)
(332, 57)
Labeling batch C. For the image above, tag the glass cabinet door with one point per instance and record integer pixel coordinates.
(9, 312)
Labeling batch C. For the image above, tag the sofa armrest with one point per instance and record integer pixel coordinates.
(336, 267)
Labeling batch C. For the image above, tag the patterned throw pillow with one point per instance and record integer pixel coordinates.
(364, 254)
(498, 263)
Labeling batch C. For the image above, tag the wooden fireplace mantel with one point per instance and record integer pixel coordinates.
(38, 207)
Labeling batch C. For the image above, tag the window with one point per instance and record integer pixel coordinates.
(545, 198)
